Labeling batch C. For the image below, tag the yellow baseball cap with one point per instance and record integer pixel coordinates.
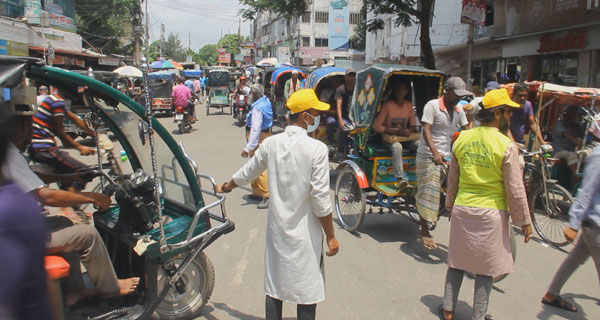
(496, 98)
(303, 100)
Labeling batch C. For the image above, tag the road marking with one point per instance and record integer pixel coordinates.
(243, 264)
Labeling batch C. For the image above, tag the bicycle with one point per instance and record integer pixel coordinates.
(549, 202)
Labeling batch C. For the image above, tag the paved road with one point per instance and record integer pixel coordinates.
(381, 272)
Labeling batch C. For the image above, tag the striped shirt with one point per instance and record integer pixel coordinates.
(43, 122)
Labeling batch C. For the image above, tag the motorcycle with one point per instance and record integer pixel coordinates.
(241, 109)
(183, 118)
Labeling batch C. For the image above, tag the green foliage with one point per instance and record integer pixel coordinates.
(207, 55)
(154, 50)
(100, 23)
(286, 8)
(173, 49)
(232, 42)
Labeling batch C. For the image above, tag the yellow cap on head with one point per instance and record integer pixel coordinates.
(496, 98)
(303, 100)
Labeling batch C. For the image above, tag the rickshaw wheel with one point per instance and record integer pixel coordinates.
(199, 280)
(350, 200)
(207, 109)
(550, 213)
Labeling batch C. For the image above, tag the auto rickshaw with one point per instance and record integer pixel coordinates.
(276, 94)
(218, 90)
(366, 177)
(161, 90)
(161, 219)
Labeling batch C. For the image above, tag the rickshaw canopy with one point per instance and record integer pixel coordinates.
(319, 74)
(281, 71)
(218, 78)
(562, 94)
(192, 73)
(162, 75)
(426, 85)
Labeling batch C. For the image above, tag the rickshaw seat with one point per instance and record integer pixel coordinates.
(377, 148)
(56, 267)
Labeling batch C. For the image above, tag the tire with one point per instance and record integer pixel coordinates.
(350, 200)
(181, 127)
(201, 275)
(240, 118)
(551, 215)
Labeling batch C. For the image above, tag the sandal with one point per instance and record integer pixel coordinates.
(441, 313)
(559, 302)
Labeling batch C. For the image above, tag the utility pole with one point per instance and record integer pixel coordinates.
(162, 41)
(147, 51)
(239, 37)
(137, 31)
(470, 54)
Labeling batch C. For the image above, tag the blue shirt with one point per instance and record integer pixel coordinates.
(258, 121)
(587, 204)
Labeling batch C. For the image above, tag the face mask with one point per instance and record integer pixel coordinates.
(315, 125)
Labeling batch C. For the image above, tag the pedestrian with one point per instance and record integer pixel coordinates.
(299, 211)
(441, 119)
(585, 216)
(484, 181)
(197, 89)
(523, 116)
(258, 127)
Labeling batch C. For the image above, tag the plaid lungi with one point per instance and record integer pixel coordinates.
(428, 188)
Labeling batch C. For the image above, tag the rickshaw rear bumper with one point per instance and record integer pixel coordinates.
(360, 175)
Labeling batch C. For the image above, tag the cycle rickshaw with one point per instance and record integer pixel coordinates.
(161, 219)
(218, 86)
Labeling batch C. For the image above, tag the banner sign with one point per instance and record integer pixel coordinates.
(473, 12)
(339, 25)
(13, 48)
(61, 14)
(33, 11)
(314, 52)
(224, 58)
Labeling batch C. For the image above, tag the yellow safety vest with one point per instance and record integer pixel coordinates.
(480, 153)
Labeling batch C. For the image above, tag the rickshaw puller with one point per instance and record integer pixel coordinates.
(522, 116)
(343, 100)
(441, 119)
(300, 209)
(258, 127)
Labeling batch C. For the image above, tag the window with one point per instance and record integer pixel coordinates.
(266, 30)
(355, 18)
(306, 41)
(321, 17)
(321, 42)
(306, 17)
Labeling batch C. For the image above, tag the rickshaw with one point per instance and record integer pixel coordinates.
(161, 87)
(366, 177)
(548, 180)
(218, 90)
(325, 81)
(266, 80)
(276, 94)
(161, 219)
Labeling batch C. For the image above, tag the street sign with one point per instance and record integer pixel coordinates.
(51, 52)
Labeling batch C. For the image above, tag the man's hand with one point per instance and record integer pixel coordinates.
(220, 188)
(438, 158)
(526, 229)
(570, 234)
(101, 201)
(244, 154)
(333, 246)
(86, 151)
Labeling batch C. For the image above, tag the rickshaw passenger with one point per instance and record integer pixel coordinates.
(258, 128)
(441, 119)
(397, 118)
(522, 115)
(343, 100)
(568, 136)
(292, 85)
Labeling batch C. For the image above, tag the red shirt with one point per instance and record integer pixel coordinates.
(181, 94)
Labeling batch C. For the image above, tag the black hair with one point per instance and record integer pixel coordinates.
(520, 87)
(294, 116)
(486, 115)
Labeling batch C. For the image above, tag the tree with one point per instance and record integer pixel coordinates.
(287, 9)
(154, 50)
(173, 49)
(231, 42)
(207, 55)
(359, 39)
(101, 24)
(407, 12)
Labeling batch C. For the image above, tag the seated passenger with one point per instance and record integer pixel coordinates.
(567, 137)
(397, 118)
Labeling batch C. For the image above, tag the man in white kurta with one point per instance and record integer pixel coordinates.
(300, 206)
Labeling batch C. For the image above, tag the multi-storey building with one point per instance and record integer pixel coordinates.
(312, 34)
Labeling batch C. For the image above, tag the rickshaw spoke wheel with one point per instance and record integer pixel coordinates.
(199, 280)
(550, 213)
(350, 200)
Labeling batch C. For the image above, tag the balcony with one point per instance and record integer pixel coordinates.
(483, 32)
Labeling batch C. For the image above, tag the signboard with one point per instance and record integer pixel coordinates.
(514, 17)
(473, 12)
(314, 52)
(62, 60)
(247, 45)
(575, 39)
(221, 50)
(283, 54)
(238, 57)
(339, 25)
(33, 11)
(224, 58)
(13, 48)
(61, 14)
(107, 61)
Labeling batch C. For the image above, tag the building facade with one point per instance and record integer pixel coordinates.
(312, 34)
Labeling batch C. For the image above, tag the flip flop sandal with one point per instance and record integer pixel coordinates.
(441, 313)
(561, 303)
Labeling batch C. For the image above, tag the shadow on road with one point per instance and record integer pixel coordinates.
(461, 311)
(235, 314)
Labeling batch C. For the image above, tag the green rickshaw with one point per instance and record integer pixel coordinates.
(218, 84)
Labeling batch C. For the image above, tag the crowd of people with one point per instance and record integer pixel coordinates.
(477, 142)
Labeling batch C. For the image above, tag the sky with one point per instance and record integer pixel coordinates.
(205, 19)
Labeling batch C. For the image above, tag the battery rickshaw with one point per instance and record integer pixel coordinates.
(218, 83)
(161, 90)
(276, 95)
(164, 212)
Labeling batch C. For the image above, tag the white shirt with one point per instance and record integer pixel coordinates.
(298, 172)
(16, 168)
(442, 127)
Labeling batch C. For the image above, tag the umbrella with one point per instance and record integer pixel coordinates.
(169, 64)
(129, 71)
(267, 62)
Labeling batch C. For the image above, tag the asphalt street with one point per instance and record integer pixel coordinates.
(380, 272)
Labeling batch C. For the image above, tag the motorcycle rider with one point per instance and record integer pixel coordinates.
(181, 96)
(241, 89)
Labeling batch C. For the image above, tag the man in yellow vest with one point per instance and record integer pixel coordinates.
(485, 187)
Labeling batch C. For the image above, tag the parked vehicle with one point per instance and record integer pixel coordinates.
(161, 222)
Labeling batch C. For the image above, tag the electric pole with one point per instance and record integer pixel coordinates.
(137, 31)
(147, 33)
(162, 41)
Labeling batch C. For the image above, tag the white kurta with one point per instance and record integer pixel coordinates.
(298, 171)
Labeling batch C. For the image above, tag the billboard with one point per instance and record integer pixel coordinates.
(339, 25)
(33, 11)
(473, 12)
(13, 48)
(61, 14)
